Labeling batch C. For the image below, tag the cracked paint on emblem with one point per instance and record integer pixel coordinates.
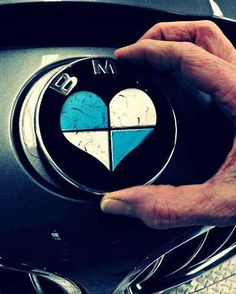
(85, 124)
(132, 108)
(83, 110)
(95, 143)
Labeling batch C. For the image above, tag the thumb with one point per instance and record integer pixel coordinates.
(165, 206)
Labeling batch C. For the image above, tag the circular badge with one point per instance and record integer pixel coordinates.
(103, 125)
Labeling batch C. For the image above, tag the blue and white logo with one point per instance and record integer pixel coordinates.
(108, 133)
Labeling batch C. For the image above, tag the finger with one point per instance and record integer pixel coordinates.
(208, 72)
(227, 172)
(163, 207)
(205, 34)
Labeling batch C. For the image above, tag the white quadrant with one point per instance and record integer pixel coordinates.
(95, 143)
(132, 108)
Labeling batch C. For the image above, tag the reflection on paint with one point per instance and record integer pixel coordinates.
(215, 8)
(49, 58)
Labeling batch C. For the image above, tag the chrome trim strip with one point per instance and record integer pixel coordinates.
(64, 283)
(149, 261)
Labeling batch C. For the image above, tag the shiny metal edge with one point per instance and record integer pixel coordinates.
(149, 261)
(63, 282)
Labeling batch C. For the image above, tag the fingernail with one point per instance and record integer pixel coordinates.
(116, 207)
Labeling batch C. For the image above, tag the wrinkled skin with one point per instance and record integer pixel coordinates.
(201, 53)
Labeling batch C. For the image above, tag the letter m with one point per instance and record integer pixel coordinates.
(105, 67)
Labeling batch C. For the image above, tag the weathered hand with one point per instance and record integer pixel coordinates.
(200, 52)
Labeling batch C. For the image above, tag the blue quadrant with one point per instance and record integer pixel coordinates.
(83, 110)
(124, 141)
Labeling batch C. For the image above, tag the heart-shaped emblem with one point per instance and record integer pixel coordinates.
(108, 134)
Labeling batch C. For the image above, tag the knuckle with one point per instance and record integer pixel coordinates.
(207, 27)
(209, 24)
(187, 46)
(158, 28)
(144, 43)
(159, 25)
(160, 213)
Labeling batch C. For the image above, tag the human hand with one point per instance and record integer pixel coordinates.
(200, 52)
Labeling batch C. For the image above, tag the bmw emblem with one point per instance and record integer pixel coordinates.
(102, 125)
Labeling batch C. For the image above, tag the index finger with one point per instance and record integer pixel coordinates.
(205, 34)
(208, 72)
